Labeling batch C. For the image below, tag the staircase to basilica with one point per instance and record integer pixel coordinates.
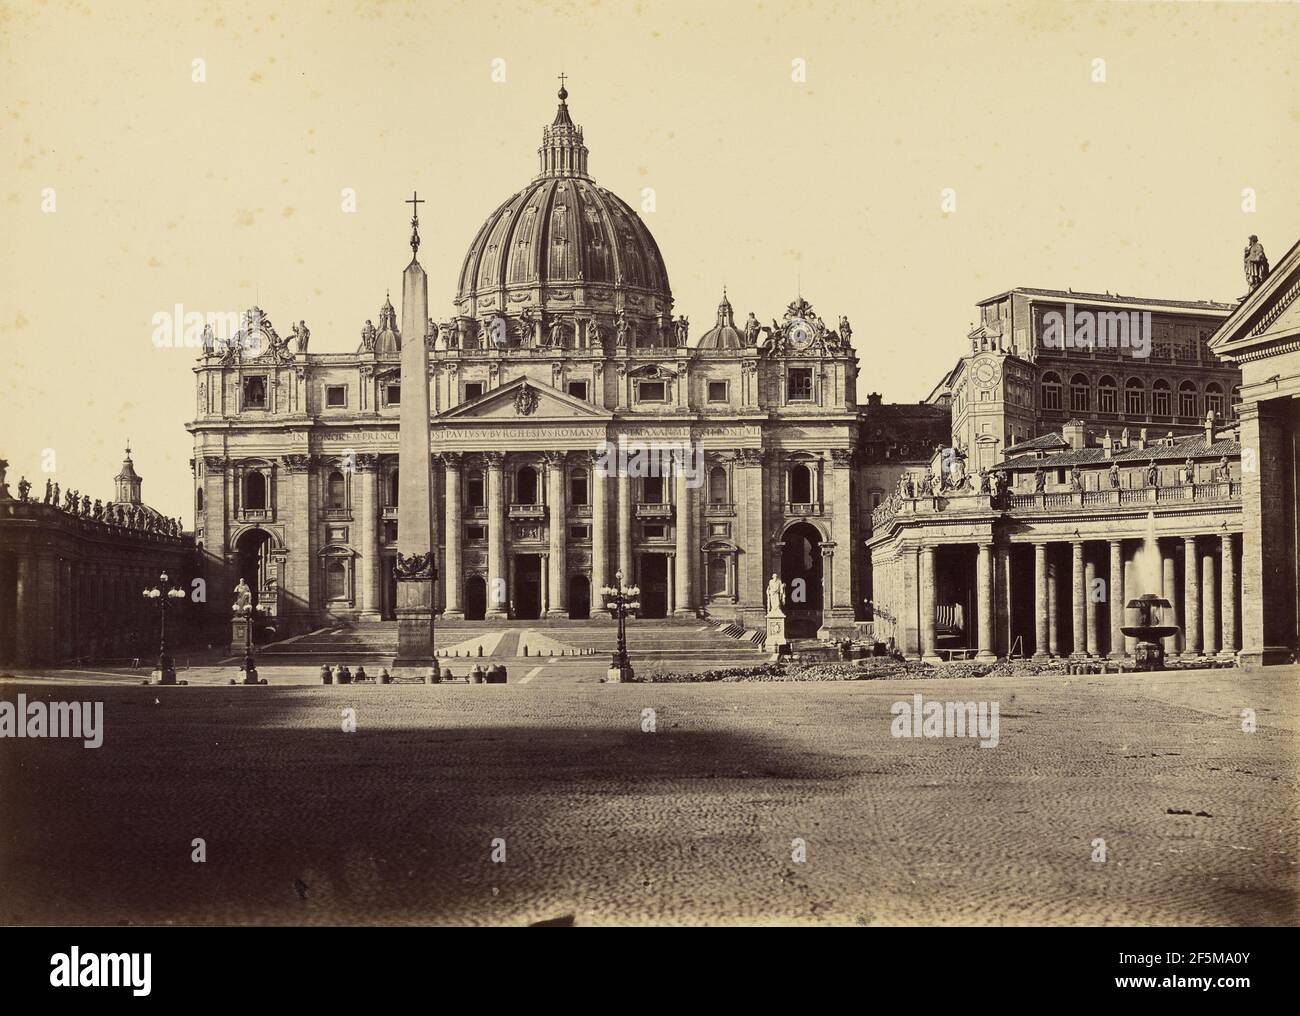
(666, 640)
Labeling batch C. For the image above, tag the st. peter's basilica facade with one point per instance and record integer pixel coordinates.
(577, 432)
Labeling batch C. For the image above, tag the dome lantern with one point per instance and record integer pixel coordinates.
(562, 152)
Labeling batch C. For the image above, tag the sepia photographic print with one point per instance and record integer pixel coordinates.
(685, 464)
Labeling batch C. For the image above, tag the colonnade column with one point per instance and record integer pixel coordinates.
(497, 598)
(1227, 581)
(1078, 643)
(1169, 587)
(927, 604)
(984, 601)
(557, 522)
(1041, 602)
(1090, 607)
(685, 544)
(1209, 602)
(1053, 609)
(1191, 599)
(599, 536)
(25, 609)
(453, 569)
(1115, 598)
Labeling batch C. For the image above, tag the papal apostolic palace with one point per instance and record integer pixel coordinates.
(562, 346)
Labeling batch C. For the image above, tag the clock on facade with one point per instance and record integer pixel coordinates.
(799, 334)
(986, 374)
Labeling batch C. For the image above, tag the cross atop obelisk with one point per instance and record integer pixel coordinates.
(415, 201)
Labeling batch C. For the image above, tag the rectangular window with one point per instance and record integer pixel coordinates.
(336, 534)
(390, 530)
(1160, 402)
(1133, 402)
(651, 391)
(578, 389)
(473, 390)
(800, 385)
(474, 490)
(719, 528)
(1106, 400)
(393, 393)
(717, 391)
(578, 488)
(476, 534)
(255, 392)
(579, 532)
(336, 396)
(1187, 404)
(653, 531)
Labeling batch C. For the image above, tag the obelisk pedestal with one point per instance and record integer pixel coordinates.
(414, 565)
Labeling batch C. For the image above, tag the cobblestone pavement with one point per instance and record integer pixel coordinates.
(605, 823)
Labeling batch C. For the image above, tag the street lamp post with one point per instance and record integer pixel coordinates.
(620, 600)
(172, 597)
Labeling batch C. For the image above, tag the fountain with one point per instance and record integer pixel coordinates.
(1149, 653)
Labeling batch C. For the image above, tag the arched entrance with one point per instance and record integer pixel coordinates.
(475, 598)
(579, 598)
(253, 564)
(801, 571)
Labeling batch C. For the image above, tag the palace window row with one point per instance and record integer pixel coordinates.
(1191, 402)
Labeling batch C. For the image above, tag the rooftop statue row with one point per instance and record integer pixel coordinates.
(133, 517)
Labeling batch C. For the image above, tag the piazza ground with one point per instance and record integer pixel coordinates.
(606, 824)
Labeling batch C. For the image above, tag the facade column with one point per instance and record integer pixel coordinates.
(1115, 598)
(1169, 587)
(1002, 595)
(984, 601)
(826, 631)
(686, 544)
(1042, 647)
(557, 526)
(368, 521)
(1227, 583)
(1209, 602)
(1053, 608)
(624, 484)
(299, 605)
(1191, 600)
(1090, 606)
(453, 568)
(599, 536)
(498, 597)
(1078, 601)
(1131, 585)
(928, 643)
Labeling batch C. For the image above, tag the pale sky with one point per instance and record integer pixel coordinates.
(220, 194)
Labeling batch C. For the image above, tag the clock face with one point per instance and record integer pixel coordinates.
(986, 374)
(799, 334)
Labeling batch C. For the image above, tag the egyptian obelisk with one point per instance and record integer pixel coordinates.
(414, 565)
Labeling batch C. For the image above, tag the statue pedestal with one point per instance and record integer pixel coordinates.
(414, 628)
(777, 644)
(240, 634)
(618, 675)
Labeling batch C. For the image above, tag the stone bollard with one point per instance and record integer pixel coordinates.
(446, 673)
(385, 677)
(480, 651)
(326, 674)
(525, 650)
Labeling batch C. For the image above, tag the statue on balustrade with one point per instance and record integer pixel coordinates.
(24, 488)
(1224, 473)
(97, 512)
(1189, 471)
(986, 482)
(846, 330)
(905, 485)
(49, 490)
(1114, 476)
(957, 473)
(926, 486)
(621, 328)
(1076, 478)
(751, 330)
(1153, 474)
(1040, 480)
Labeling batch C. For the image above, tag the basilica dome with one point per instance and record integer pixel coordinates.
(563, 243)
